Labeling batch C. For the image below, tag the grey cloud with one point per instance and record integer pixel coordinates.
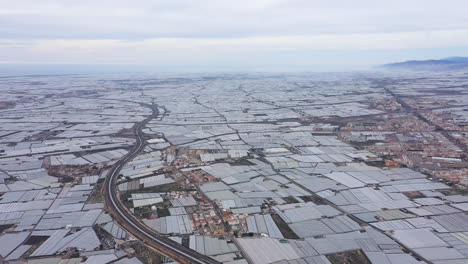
(83, 19)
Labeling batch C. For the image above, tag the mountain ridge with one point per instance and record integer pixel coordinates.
(445, 64)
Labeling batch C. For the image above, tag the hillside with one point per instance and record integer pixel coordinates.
(446, 64)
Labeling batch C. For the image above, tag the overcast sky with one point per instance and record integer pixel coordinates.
(218, 34)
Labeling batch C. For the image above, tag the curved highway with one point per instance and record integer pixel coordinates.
(129, 222)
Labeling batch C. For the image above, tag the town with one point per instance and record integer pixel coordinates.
(316, 168)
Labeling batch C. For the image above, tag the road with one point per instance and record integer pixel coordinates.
(416, 113)
(129, 222)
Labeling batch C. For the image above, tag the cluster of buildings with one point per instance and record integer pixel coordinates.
(427, 132)
(244, 169)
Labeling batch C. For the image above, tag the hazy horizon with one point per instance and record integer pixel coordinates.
(60, 37)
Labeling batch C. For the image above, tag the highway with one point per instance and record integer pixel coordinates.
(129, 222)
(440, 129)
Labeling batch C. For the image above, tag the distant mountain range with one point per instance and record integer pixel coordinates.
(446, 64)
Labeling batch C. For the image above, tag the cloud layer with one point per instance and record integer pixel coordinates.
(218, 32)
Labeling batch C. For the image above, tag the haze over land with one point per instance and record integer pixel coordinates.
(233, 132)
